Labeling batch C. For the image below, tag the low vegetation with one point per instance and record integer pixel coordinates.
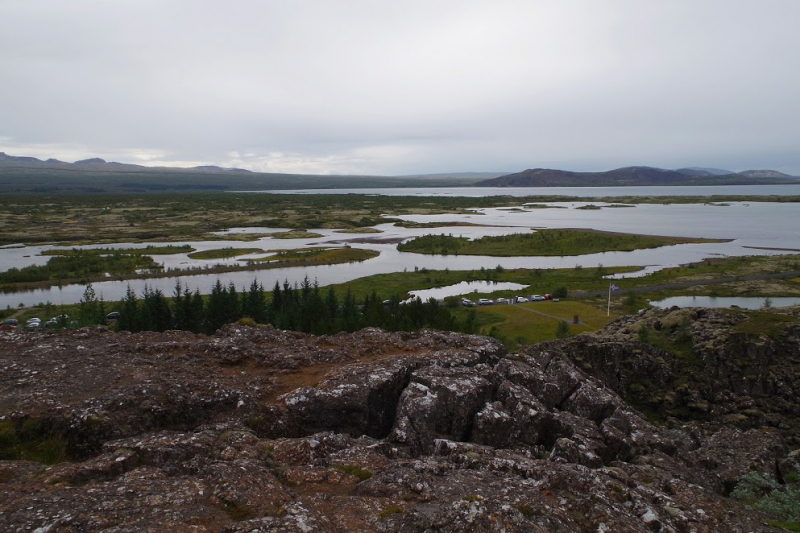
(295, 234)
(224, 253)
(513, 324)
(31, 439)
(358, 230)
(528, 323)
(78, 267)
(780, 502)
(321, 255)
(147, 250)
(153, 216)
(548, 242)
(417, 225)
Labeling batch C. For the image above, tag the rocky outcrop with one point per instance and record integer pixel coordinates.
(256, 429)
(721, 367)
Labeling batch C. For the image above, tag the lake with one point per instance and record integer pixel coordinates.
(713, 301)
(584, 192)
(755, 228)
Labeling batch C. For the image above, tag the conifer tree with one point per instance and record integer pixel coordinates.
(129, 316)
(253, 303)
(351, 319)
(179, 307)
(195, 312)
(215, 314)
(155, 314)
(89, 312)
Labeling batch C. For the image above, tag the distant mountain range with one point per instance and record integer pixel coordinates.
(637, 176)
(31, 175)
(23, 175)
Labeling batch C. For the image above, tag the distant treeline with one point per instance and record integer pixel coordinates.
(304, 307)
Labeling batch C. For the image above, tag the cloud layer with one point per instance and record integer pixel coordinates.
(370, 87)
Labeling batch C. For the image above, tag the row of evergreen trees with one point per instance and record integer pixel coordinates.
(304, 307)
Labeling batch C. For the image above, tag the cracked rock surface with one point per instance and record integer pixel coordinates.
(255, 429)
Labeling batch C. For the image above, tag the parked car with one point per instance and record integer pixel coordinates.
(466, 302)
(485, 301)
(112, 317)
(33, 323)
(521, 299)
(537, 298)
(502, 301)
(9, 324)
(60, 320)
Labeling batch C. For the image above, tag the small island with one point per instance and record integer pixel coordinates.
(224, 253)
(548, 242)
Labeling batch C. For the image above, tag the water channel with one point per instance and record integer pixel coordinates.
(753, 228)
(744, 302)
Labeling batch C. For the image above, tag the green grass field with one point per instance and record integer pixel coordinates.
(528, 323)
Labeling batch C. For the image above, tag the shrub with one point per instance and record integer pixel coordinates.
(562, 330)
(757, 492)
(389, 511)
(560, 292)
(357, 471)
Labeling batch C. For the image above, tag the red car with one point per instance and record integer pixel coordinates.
(9, 324)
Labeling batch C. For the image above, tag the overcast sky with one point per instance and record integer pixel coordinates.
(377, 87)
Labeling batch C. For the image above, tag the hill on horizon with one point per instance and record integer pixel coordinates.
(25, 175)
(29, 175)
(635, 176)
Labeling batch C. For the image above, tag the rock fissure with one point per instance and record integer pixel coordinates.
(404, 432)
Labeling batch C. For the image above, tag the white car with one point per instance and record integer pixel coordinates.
(502, 301)
(466, 302)
(538, 298)
(485, 301)
(521, 299)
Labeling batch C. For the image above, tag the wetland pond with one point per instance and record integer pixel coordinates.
(465, 287)
(744, 302)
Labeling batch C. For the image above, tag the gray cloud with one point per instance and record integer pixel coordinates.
(368, 87)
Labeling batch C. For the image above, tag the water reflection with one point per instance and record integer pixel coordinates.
(720, 302)
(754, 228)
(466, 287)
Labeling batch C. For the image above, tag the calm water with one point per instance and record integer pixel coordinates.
(710, 301)
(753, 228)
(584, 192)
(465, 287)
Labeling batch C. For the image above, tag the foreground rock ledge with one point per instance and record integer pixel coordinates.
(256, 429)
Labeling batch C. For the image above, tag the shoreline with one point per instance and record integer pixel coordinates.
(23, 287)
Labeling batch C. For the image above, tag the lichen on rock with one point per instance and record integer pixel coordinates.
(256, 429)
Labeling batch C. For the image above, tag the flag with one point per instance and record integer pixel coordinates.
(613, 287)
